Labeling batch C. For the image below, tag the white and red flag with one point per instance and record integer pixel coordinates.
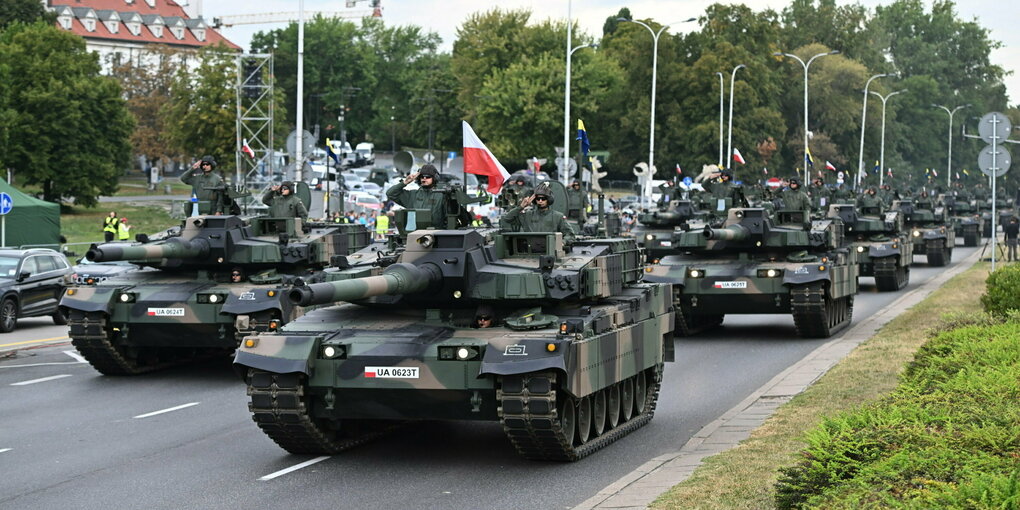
(245, 148)
(737, 157)
(478, 160)
(830, 166)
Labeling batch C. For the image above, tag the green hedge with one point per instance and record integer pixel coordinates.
(1003, 290)
(948, 436)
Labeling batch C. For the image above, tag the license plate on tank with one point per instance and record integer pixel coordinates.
(391, 372)
(166, 312)
(730, 285)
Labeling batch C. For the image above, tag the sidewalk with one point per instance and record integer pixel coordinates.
(642, 486)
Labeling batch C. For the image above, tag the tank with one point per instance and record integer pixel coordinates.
(967, 223)
(573, 360)
(884, 250)
(1003, 208)
(755, 265)
(656, 227)
(190, 307)
(931, 230)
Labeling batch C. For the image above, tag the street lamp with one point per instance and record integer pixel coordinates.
(722, 88)
(864, 117)
(566, 114)
(806, 66)
(881, 157)
(729, 137)
(646, 191)
(949, 159)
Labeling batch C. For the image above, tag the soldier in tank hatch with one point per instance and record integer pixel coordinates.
(427, 196)
(541, 217)
(283, 203)
(207, 186)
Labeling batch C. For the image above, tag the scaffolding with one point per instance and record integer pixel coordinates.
(255, 109)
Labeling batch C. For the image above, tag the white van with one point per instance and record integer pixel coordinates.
(365, 153)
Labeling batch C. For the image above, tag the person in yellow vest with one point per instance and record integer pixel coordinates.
(110, 226)
(382, 225)
(123, 230)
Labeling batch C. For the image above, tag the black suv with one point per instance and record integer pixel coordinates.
(32, 282)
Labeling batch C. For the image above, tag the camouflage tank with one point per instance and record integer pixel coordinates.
(884, 250)
(754, 266)
(967, 222)
(1003, 208)
(573, 360)
(655, 229)
(192, 307)
(931, 230)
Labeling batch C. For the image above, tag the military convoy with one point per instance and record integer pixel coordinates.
(883, 249)
(931, 230)
(194, 306)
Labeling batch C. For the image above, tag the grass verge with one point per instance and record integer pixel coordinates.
(81, 225)
(744, 477)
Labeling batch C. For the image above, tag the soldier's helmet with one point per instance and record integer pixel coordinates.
(575, 183)
(428, 171)
(209, 159)
(543, 191)
(794, 183)
(288, 185)
(726, 176)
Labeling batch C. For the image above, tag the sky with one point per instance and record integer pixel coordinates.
(443, 17)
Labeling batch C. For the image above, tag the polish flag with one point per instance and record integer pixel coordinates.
(370, 372)
(245, 148)
(479, 160)
(679, 171)
(737, 157)
(830, 166)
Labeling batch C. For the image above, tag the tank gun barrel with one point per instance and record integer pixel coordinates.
(399, 278)
(171, 249)
(730, 233)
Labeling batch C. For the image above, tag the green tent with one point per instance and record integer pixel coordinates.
(31, 221)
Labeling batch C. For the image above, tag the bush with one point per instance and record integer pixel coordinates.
(1002, 292)
(947, 437)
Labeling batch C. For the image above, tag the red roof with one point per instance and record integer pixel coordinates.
(164, 8)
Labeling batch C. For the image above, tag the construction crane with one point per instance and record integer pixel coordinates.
(285, 17)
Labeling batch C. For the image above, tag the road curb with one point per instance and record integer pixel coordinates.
(641, 487)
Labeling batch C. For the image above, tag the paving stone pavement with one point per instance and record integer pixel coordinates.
(639, 488)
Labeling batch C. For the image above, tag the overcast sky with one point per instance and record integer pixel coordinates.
(443, 17)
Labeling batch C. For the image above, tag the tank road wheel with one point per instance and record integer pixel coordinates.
(627, 398)
(545, 422)
(686, 323)
(598, 410)
(815, 314)
(640, 393)
(583, 420)
(282, 409)
(938, 253)
(613, 405)
(59, 319)
(8, 316)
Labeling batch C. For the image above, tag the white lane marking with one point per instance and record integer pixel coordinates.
(177, 408)
(296, 467)
(75, 355)
(44, 379)
(42, 364)
(5, 450)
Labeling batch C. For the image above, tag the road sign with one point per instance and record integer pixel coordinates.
(307, 143)
(6, 203)
(994, 124)
(1002, 160)
(428, 157)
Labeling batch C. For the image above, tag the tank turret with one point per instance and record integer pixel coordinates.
(474, 324)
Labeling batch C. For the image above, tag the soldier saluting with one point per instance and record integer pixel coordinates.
(283, 203)
(541, 217)
(207, 186)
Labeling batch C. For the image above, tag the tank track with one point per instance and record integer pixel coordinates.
(971, 236)
(279, 406)
(817, 316)
(530, 416)
(889, 276)
(687, 323)
(92, 337)
(939, 254)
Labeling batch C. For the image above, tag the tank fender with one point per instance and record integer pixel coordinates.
(247, 301)
(884, 250)
(89, 299)
(934, 233)
(808, 273)
(279, 354)
(529, 355)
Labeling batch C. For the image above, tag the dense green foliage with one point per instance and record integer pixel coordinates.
(65, 128)
(24, 11)
(1002, 293)
(946, 438)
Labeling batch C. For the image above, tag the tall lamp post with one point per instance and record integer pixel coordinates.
(949, 159)
(722, 88)
(864, 118)
(729, 136)
(646, 190)
(566, 114)
(806, 66)
(881, 153)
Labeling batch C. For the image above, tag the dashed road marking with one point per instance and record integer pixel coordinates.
(161, 411)
(75, 355)
(44, 379)
(293, 468)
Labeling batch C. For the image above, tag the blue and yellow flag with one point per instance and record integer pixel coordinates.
(878, 168)
(582, 135)
(807, 157)
(329, 150)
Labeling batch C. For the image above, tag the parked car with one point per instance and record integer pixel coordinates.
(31, 282)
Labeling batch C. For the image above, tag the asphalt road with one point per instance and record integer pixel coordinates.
(70, 437)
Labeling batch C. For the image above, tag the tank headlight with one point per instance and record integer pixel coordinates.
(772, 273)
(695, 273)
(127, 298)
(457, 294)
(333, 351)
(463, 353)
(329, 351)
(649, 237)
(917, 233)
(895, 246)
(860, 249)
(213, 298)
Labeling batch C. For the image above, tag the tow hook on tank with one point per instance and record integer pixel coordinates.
(329, 398)
(476, 402)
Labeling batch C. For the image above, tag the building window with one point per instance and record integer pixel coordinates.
(199, 34)
(178, 32)
(90, 25)
(157, 30)
(151, 3)
(65, 21)
(112, 26)
(134, 28)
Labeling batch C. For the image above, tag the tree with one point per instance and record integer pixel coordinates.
(70, 126)
(201, 117)
(147, 89)
(24, 11)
